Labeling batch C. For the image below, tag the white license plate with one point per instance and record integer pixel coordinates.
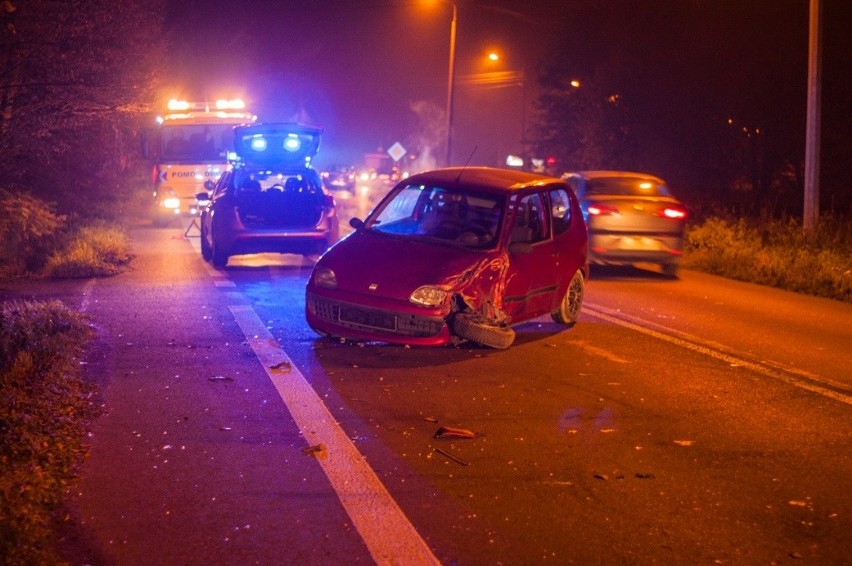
(634, 243)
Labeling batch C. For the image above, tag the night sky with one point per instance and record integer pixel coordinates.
(355, 67)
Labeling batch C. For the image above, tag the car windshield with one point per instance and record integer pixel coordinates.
(192, 143)
(626, 186)
(458, 216)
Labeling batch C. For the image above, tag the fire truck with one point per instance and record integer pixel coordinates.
(190, 146)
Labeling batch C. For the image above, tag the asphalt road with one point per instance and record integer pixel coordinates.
(697, 421)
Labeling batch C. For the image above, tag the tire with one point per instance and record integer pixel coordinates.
(206, 250)
(218, 256)
(473, 328)
(569, 308)
(670, 270)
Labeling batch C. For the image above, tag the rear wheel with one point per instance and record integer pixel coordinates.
(670, 270)
(219, 257)
(472, 327)
(569, 309)
(206, 250)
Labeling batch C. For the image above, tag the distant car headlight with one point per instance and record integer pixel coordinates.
(428, 296)
(325, 278)
(171, 203)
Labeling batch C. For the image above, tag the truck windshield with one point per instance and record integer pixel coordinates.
(201, 142)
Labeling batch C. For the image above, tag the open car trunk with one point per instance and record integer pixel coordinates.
(291, 208)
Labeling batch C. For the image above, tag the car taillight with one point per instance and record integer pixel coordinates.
(673, 212)
(602, 209)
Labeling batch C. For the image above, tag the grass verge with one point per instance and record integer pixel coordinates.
(45, 407)
(97, 250)
(776, 253)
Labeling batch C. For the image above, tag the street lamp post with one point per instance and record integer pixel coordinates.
(450, 83)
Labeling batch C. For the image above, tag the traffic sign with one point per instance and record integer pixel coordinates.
(396, 151)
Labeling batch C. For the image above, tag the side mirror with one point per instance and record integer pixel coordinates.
(356, 223)
(202, 198)
(520, 248)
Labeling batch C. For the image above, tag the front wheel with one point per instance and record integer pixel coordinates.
(569, 309)
(474, 328)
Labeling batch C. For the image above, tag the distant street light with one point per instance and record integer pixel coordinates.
(501, 79)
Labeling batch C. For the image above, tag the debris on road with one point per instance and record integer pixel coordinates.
(284, 367)
(220, 378)
(317, 450)
(451, 457)
(447, 432)
(684, 442)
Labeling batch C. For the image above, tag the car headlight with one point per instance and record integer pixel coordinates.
(171, 202)
(325, 278)
(428, 296)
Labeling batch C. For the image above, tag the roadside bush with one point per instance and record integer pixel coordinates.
(91, 251)
(28, 227)
(45, 407)
(776, 253)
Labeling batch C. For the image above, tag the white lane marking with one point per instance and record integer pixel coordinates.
(594, 350)
(88, 286)
(389, 536)
(684, 340)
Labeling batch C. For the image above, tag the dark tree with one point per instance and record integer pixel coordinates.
(75, 77)
(710, 96)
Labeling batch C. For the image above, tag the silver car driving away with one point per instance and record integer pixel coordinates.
(631, 218)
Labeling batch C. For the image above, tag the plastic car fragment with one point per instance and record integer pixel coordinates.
(283, 367)
(318, 451)
(448, 432)
(220, 378)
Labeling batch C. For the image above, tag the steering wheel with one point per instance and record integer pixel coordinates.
(475, 234)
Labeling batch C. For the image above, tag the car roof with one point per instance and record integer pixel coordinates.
(483, 178)
(601, 173)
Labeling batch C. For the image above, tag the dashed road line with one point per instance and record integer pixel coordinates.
(790, 376)
(387, 532)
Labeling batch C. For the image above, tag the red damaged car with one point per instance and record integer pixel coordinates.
(452, 255)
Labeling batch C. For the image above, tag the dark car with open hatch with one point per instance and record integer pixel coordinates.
(451, 255)
(270, 199)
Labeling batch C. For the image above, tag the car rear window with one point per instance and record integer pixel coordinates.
(627, 186)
